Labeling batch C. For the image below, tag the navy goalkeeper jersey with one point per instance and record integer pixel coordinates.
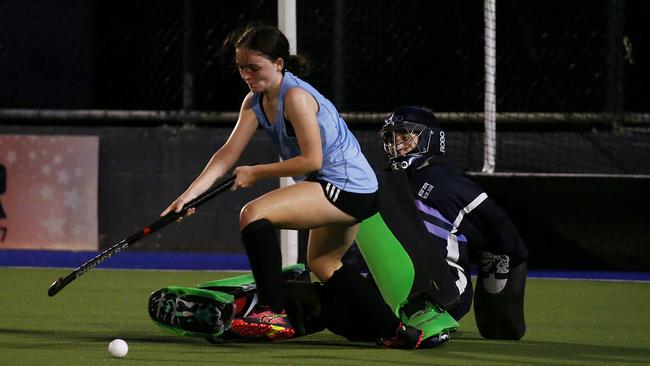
(461, 217)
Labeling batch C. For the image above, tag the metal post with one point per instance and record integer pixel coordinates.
(287, 24)
(489, 147)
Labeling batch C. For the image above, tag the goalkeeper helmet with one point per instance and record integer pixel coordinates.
(412, 136)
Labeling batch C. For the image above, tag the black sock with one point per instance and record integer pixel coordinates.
(350, 286)
(265, 257)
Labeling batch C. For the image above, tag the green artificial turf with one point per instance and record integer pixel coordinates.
(569, 323)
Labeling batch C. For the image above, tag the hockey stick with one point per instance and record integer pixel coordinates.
(170, 217)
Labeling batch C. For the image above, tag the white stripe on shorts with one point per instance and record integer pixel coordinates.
(332, 192)
(336, 196)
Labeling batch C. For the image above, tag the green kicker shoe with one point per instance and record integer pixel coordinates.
(192, 311)
(435, 322)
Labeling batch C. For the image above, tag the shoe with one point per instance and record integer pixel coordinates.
(263, 322)
(406, 337)
(436, 340)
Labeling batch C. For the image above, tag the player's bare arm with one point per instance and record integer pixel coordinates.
(300, 108)
(223, 159)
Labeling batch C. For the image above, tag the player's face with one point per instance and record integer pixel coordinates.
(405, 142)
(259, 73)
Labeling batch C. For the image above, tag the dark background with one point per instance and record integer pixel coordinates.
(553, 56)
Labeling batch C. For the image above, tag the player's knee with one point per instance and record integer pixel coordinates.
(322, 267)
(318, 269)
(249, 213)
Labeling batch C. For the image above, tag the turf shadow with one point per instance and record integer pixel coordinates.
(56, 336)
(550, 351)
(50, 338)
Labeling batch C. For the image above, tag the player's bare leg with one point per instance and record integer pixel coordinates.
(299, 206)
(326, 247)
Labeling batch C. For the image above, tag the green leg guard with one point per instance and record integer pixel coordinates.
(246, 280)
(390, 265)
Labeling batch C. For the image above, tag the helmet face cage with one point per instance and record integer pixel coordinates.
(398, 137)
(405, 142)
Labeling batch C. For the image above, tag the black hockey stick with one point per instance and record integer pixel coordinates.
(170, 217)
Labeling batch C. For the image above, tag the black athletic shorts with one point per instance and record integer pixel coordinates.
(358, 205)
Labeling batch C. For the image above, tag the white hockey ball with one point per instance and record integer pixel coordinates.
(118, 348)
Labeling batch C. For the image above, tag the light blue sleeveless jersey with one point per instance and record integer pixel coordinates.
(343, 163)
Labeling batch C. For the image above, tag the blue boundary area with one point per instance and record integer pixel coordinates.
(591, 275)
(126, 260)
(226, 261)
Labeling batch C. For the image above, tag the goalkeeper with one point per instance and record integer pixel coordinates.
(460, 219)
